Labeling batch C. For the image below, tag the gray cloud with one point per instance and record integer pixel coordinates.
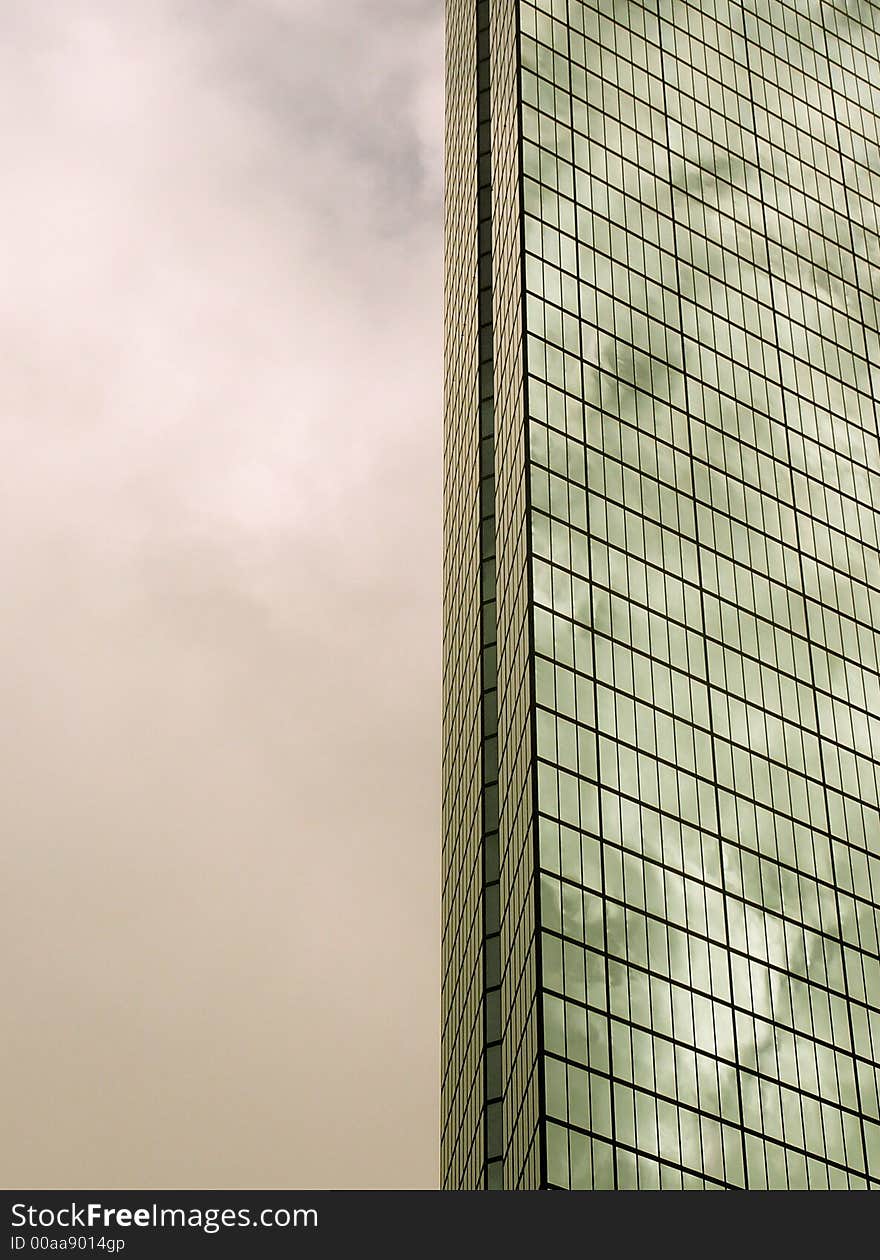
(219, 320)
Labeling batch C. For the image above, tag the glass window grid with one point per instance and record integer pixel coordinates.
(827, 528)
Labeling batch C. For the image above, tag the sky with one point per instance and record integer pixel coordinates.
(220, 481)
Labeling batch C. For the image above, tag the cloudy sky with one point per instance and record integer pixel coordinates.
(219, 642)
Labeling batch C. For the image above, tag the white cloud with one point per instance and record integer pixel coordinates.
(219, 302)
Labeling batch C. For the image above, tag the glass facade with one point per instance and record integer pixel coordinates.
(661, 851)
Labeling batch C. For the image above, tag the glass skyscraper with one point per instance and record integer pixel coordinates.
(661, 852)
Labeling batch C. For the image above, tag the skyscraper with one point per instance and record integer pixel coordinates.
(661, 852)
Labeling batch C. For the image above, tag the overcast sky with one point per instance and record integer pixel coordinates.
(220, 483)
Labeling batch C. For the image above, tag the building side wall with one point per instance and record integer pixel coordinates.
(700, 189)
(521, 1012)
(662, 588)
(462, 1083)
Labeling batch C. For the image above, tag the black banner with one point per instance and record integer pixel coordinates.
(147, 1223)
(159, 1223)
